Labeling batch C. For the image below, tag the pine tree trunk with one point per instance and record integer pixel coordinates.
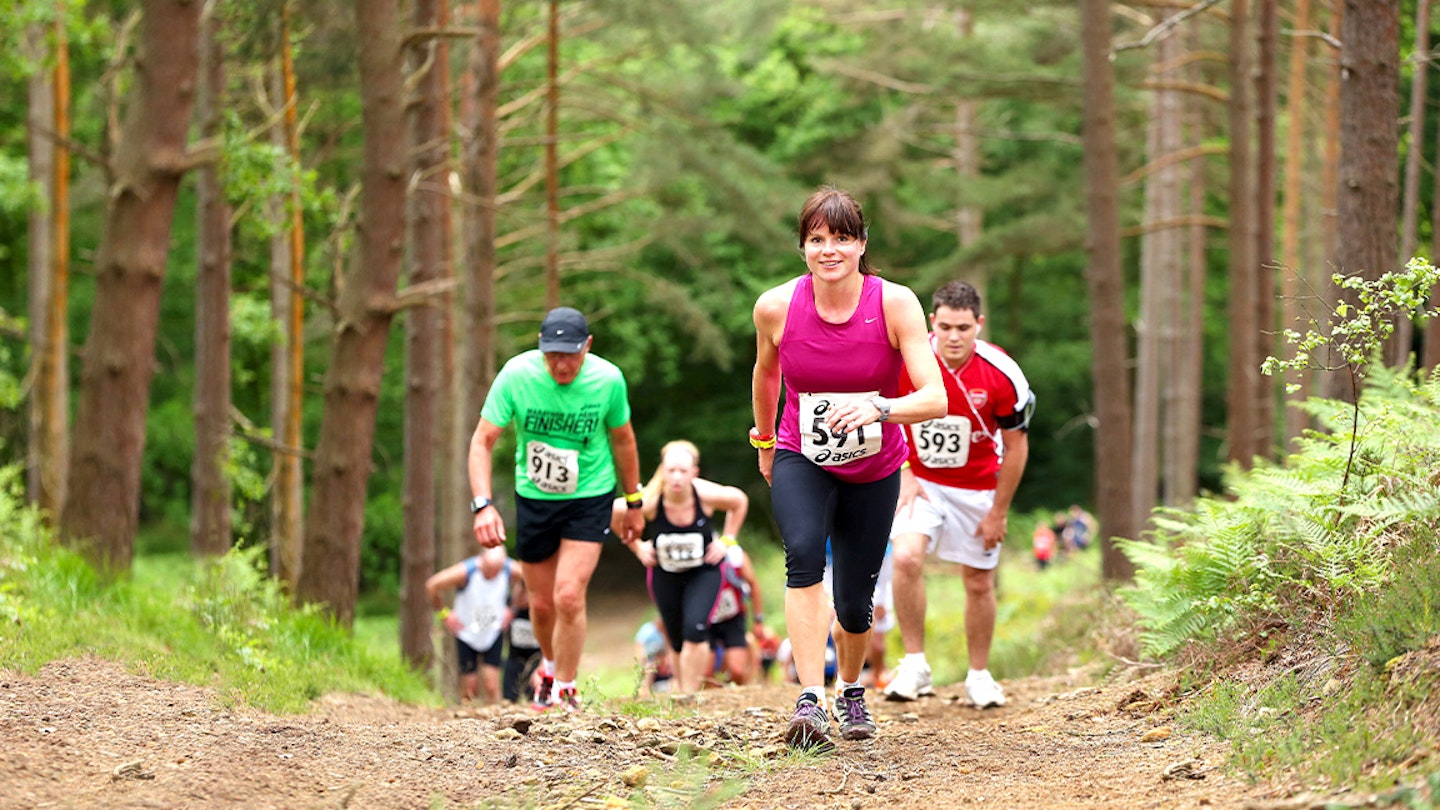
(101, 513)
(477, 277)
(969, 218)
(48, 272)
(210, 483)
(1398, 351)
(1265, 103)
(1241, 418)
(1107, 293)
(1290, 258)
(1160, 254)
(287, 375)
(1369, 144)
(429, 253)
(330, 563)
(552, 164)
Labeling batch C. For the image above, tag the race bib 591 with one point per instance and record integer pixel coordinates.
(829, 448)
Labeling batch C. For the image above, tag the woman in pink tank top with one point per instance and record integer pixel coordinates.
(836, 338)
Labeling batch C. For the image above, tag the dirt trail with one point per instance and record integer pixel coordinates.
(85, 733)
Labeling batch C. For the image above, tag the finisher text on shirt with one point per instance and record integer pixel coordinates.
(558, 422)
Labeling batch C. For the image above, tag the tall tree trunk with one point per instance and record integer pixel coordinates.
(210, 483)
(1160, 256)
(1290, 259)
(477, 277)
(1107, 292)
(1241, 418)
(287, 499)
(330, 563)
(1329, 186)
(102, 512)
(552, 166)
(1181, 458)
(1265, 103)
(969, 218)
(1369, 145)
(429, 252)
(1399, 350)
(48, 121)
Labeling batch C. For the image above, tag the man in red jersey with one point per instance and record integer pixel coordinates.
(956, 490)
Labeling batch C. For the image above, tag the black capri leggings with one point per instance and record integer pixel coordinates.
(685, 601)
(810, 505)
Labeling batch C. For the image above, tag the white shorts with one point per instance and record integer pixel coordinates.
(951, 518)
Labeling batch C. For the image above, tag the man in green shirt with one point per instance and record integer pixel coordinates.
(573, 440)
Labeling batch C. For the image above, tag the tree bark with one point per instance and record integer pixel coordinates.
(552, 166)
(969, 218)
(477, 276)
(1369, 145)
(1265, 103)
(210, 530)
(330, 563)
(1107, 293)
(1399, 350)
(429, 253)
(287, 373)
(1241, 418)
(101, 514)
(48, 117)
(1290, 258)
(1160, 257)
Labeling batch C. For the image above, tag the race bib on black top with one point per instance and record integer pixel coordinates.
(680, 552)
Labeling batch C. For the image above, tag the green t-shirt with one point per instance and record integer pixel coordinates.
(562, 440)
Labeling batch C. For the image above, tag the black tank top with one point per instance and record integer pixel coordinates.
(677, 547)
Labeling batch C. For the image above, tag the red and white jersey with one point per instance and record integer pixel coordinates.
(987, 393)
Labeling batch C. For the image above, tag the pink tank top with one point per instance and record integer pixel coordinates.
(829, 358)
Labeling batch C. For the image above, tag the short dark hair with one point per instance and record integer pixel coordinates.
(838, 211)
(957, 295)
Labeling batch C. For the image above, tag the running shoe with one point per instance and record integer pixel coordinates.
(543, 698)
(809, 726)
(855, 722)
(911, 681)
(983, 691)
(568, 700)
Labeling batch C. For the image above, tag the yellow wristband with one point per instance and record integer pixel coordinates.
(443, 614)
(638, 496)
(728, 540)
(905, 466)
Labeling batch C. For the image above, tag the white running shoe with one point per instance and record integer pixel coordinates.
(911, 681)
(983, 691)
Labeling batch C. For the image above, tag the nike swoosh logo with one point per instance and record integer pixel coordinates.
(872, 320)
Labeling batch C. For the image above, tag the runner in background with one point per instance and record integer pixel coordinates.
(478, 619)
(688, 575)
(956, 490)
(573, 444)
(522, 656)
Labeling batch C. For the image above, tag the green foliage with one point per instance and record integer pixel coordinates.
(1289, 543)
(1405, 614)
(220, 623)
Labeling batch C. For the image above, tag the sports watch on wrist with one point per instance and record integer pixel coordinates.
(883, 406)
(478, 504)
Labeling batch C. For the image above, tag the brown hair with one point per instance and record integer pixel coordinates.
(838, 211)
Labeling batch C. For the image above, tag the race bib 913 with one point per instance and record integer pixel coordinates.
(552, 469)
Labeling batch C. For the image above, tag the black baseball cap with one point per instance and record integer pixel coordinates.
(564, 330)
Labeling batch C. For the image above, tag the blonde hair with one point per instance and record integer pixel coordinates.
(652, 487)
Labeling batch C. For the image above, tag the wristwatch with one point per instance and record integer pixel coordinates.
(478, 504)
(883, 406)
